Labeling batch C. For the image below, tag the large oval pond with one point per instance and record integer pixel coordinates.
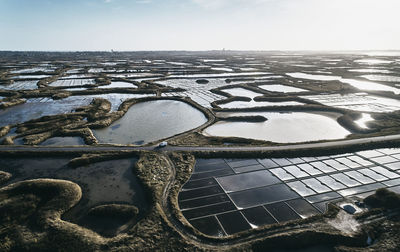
(150, 121)
(281, 127)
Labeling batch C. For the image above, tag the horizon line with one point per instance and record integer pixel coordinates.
(214, 50)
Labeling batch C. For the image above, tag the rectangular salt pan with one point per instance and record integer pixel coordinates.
(331, 182)
(263, 195)
(301, 188)
(316, 185)
(247, 180)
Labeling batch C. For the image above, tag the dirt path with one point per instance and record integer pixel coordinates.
(294, 147)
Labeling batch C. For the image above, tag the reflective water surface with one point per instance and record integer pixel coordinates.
(241, 92)
(357, 102)
(362, 85)
(376, 77)
(150, 121)
(119, 84)
(363, 120)
(282, 88)
(253, 104)
(298, 127)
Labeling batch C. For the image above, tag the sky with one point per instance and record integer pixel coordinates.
(132, 25)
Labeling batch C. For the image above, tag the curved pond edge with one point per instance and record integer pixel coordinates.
(127, 104)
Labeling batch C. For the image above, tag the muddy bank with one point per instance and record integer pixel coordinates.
(163, 226)
(39, 213)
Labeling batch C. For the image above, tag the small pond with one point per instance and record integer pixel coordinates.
(218, 75)
(72, 82)
(116, 99)
(246, 69)
(119, 84)
(190, 84)
(298, 127)
(132, 75)
(150, 121)
(224, 69)
(314, 76)
(377, 77)
(370, 70)
(254, 104)
(63, 141)
(281, 88)
(21, 85)
(368, 85)
(213, 60)
(362, 85)
(29, 77)
(241, 92)
(32, 70)
(373, 61)
(357, 102)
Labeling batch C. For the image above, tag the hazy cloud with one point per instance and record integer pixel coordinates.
(216, 4)
(137, 1)
(211, 4)
(200, 24)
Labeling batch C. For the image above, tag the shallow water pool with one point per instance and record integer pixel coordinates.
(150, 121)
(298, 127)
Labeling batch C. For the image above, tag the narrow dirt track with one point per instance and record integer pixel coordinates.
(89, 149)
